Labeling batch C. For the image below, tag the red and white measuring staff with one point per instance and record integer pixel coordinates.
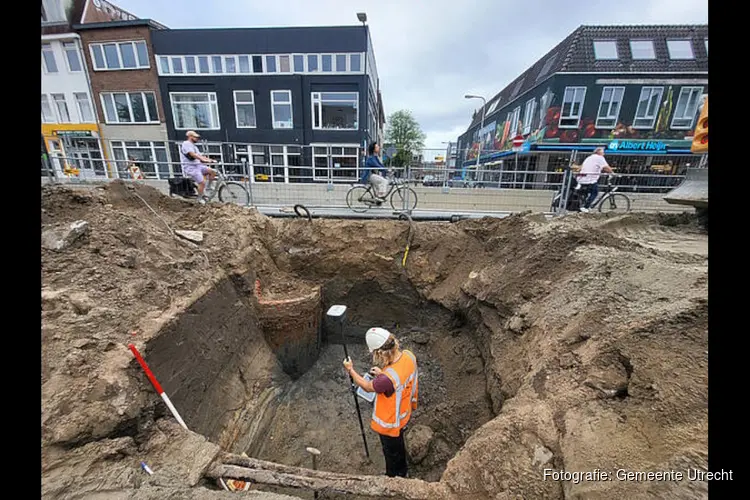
(157, 386)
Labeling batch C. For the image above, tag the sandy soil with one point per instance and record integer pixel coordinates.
(574, 344)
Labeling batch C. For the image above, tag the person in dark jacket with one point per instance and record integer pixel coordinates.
(374, 172)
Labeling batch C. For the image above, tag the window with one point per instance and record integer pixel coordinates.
(312, 63)
(151, 158)
(687, 107)
(130, 107)
(270, 64)
(547, 66)
(605, 49)
(528, 116)
(335, 162)
(327, 62)
(257, 64)
(514, 121)
(195, 110)
(335, 110)
(299, 63)
(190, 64)
(71, 54)
(53, 11)
(164, 64)
(341, 63)
(48, 116)
(680, 49)
(493, 106)
(572, 106)
(230, 63)
(281, 108)
(62, 108)
(244, 108)
(120, 55)
(216, 64)
(85, 110)
(284, 64)
(355, 62)
(244, 64)
(609, 107)
(203, 67)
(48, 55)
(648, 106)
(177, 65)
(642, 49)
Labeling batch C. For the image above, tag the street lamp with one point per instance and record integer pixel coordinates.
(481, 125)
(362, 17)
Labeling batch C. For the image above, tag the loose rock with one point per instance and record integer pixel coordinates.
(61, 238)
(418, 440)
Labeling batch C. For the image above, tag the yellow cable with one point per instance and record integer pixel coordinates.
(403, 262)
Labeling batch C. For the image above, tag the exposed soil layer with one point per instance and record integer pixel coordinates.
(577, 343)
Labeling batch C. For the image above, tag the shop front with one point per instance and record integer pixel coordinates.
(75, 150)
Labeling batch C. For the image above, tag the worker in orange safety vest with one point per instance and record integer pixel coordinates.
(396, 386)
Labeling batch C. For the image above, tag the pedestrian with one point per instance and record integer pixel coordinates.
(193, 163)
(396, 388)
(588, 178)
(374, 172)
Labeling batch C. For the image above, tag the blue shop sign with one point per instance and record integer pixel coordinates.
(653, 146)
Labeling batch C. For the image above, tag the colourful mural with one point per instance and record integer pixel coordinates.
(545, 126)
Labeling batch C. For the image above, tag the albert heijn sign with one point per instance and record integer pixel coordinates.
(101, 11)
(625, 146)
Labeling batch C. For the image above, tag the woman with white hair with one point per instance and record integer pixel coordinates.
(396, 386)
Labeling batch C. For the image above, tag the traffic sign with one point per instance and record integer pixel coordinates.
(518, 141)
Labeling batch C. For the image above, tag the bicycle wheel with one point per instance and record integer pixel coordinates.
(355, 199)
(404, 198)
(555, 202)
(234, 192)
(615, 203)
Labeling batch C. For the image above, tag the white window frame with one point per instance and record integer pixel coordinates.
(688, 114)
(580, 109)
(76, 97)
(611, 114)
(150, 119)
(236, 110)
(52, 116)
(528, 116)
(304, 62)
(74, 49)
(329, 156)
(168, 70)
(336, 63)
(515, 118)
(57, 107)
(273, 113)
(361, 60)
(278, 64)
(333, 63)
(690, 44)
(318, 101)
(48, 48)
(653, 49)
(612, 41)
(151, 145)
(651, 90)
(209, 95)
(119, 44)
(493, 107)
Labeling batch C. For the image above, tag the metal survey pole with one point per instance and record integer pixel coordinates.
(338, 312)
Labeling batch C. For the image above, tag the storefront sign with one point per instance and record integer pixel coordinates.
(73, 133)
(653, 146)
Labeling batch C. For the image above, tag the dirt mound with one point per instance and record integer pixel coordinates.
(584, 336)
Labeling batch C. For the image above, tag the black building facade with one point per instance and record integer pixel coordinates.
(634, 90)
(295, 104)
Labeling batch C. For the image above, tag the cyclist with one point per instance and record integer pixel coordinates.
(588, 178)
(193, 163)
(374, 172)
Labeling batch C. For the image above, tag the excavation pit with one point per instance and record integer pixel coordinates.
(523, 329)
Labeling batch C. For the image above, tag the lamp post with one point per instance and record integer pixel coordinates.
(362, 18)
(481, 125)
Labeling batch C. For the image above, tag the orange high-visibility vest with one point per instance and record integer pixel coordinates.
(391, 414)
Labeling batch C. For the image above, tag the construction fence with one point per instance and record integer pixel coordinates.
(319, 176)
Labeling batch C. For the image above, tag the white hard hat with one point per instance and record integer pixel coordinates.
(376, 337)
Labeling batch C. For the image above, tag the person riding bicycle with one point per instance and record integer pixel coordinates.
(374, 172)
(588, 177)
(192, 163)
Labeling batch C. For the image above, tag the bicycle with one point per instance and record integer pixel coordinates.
(609, 201)
(361, 198)
(227, 191)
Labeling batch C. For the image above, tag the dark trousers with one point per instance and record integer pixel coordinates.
(394, 451)
(592, 190)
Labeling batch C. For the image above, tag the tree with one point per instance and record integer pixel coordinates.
(405, 134)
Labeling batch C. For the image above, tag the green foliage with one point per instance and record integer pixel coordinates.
(405, 134)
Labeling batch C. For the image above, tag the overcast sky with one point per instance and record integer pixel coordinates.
(430, 53)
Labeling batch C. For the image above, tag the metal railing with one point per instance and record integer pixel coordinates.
(320, 176)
